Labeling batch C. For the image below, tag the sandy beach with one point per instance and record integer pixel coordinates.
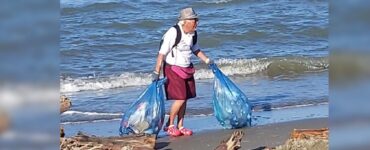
(201, 124)
(270, 129)
(256, 137)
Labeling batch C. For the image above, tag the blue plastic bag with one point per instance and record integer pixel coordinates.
(231, 107)
(146, 115)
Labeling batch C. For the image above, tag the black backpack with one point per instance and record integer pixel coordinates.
(178, 38)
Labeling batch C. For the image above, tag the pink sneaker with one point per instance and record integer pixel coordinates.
(173, 131)
(186, 131)
(165, 128)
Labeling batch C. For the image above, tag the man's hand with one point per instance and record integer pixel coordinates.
(209, 61)
(155, 76)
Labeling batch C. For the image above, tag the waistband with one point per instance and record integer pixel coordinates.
(167, 64)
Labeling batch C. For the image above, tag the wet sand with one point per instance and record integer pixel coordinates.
(256, 137)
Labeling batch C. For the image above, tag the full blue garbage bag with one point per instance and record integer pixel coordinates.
(231, 106)
(146, 114)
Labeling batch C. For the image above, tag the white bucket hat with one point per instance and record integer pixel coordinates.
(188, 13)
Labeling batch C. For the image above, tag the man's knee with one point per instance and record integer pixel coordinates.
(180, 101)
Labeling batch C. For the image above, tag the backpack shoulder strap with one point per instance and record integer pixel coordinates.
(178, 38)
(178, 35)
(195, 38)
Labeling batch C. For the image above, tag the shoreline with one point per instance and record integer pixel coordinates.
(269, 129)
(202, 124)
(262, 137)
(257, 137)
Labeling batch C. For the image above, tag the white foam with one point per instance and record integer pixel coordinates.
(229, 67)
(234, 67)
(81, 3)
(242, 66)
(94, 121)
(124, 80)
(71, 112)
(217, 1)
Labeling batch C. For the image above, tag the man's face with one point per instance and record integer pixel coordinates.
(190, 25)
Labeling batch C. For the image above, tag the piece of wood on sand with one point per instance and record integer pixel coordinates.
(313, 139)
(322, 133)
(65, 104)
(233, 143)
(130, 142)
(82, 141)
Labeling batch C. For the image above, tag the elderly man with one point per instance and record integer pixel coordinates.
(178, 44)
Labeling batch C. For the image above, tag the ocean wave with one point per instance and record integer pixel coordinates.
(91, 83)
(93, 121)
(217, 1)
(296, 65)
(148, 24)
(118, 25)
(266, 106)
(78, 116)
(232, 67)
(72, 7)
(84, 3)
(71, 112)
(85, 117)
(314, 32)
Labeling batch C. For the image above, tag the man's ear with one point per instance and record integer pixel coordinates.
(182, 22)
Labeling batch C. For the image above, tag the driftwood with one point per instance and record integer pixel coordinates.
(65, 103)
(305, 139)
(132, 142)
(233, 143)
(84, 142)
(322, 133)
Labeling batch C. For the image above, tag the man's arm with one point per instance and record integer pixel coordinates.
(159, 63)
(202, 56)
(168, 40)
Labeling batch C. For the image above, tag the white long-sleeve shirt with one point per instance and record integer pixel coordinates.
(182, 52)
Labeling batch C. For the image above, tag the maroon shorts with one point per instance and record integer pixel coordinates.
(176, 87)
